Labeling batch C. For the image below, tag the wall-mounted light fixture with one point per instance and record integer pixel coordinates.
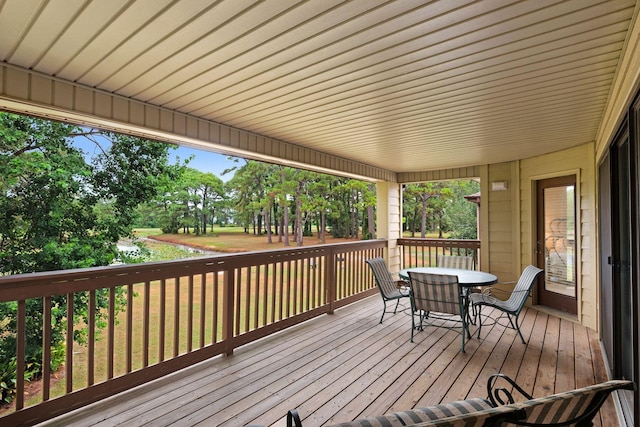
(499, 185)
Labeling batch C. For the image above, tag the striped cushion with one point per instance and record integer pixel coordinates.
(480, 418)
(442, 411)
(566, 406)
(435, 292)
(420, 415)
(557, 408)
(451, 261)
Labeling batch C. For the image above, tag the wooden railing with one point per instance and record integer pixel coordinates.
(417, 252)
(164, 316)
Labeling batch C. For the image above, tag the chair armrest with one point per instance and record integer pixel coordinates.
(399, 281)
(402, 284)
(500, 395)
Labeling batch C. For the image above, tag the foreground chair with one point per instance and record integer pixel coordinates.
(389, 288)
(570, 408)
(438, 293)
(451, 261)
(513, 306)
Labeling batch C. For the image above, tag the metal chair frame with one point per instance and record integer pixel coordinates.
(512, 306)
(390, 289)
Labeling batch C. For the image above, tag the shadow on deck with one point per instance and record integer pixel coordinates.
(345, 366)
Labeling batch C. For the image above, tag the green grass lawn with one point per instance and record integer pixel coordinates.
(222, 239)
(80, 352)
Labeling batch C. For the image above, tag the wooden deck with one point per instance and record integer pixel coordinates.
(344, 366)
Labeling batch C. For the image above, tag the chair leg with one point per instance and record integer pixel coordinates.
(465, 331)
(479, 319)
(397, 303)
(424, 315)
(517, 328)
(474, 314)
(413, 323)
(384, 310)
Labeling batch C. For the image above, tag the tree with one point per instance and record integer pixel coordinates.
(462, 213)
(249, 185)
(440, 206)
(320, 201)
(64, 211)
(211, 191)
(422, 193)
(294, 198)
(303, 201)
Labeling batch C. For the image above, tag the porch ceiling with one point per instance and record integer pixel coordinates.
(401, 85)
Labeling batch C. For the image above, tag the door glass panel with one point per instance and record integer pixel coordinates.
(559, 243)
(622, 275)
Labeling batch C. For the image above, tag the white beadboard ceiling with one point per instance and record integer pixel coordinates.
(400, 85)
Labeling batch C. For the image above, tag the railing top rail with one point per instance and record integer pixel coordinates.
(23, 286)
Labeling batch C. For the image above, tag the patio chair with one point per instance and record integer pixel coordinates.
(512, 306)
(389, 288)
(439, 293)
(452, 261)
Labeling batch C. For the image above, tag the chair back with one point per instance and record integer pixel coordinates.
(383, 279)
(451, 261)
(574, 407)
(435, 292)
(523, 289)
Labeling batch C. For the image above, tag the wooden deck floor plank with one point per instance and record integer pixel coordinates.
(599, 367)
(347, 365)
(566, 372)
(607, 415)
(439, 356)
(477, 350)
(336, 364)
(583, 363)
(309, 387)
(471, 372)
(446, 371)
(447, 377)
(388, 380)
(546, 374)
(243, 364)
(495, 360)
(426, 351)
(333, 386)
(263, 387)
(585, 369)
(514, 357)
(325, 377)
(531, 362)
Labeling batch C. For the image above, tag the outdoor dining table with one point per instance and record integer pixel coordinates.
(467, 279)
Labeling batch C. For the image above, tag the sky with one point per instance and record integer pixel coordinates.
(204, 161)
